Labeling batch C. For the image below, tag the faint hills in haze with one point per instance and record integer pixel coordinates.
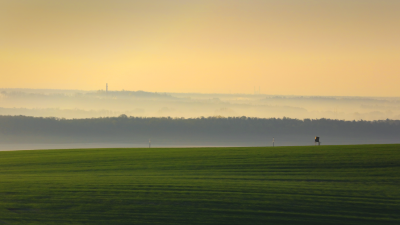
(87, 104)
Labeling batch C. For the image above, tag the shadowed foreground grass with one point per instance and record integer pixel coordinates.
(281, 185)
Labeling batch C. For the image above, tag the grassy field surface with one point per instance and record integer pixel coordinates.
(281, 185)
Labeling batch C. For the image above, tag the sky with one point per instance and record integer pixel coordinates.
(281, 47)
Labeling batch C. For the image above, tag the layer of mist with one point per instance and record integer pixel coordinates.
(88, 104)
(36, 132)
(54, 119)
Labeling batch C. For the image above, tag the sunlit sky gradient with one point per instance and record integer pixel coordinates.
(289, 47)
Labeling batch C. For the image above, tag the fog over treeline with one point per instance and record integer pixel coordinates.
(74, 118)
(87, 104)
(211, 131)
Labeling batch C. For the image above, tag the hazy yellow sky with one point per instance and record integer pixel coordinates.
(290, 47)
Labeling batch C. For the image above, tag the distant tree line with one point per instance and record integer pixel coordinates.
(210, 126)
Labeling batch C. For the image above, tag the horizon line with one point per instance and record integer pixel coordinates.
(206, 93)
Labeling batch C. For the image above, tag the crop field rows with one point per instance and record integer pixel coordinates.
(258, 185)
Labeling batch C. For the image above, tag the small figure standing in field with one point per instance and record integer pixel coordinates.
(317, 141)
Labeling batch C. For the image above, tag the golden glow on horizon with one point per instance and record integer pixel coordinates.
(285, 47)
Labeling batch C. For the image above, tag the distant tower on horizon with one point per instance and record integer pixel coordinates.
(149, 143)
(106, 87)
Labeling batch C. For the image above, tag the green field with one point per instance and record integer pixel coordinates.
(281, 185)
